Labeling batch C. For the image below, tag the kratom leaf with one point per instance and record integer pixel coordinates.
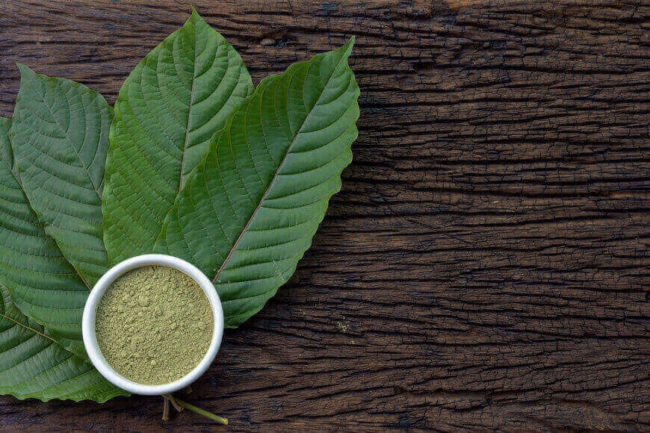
(60, 138)
(43, 284)
(249, 211)
(167, 110)
(34, 365)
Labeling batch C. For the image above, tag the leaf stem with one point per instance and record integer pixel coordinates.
(174, 403)
(203, 412)
(165, 415)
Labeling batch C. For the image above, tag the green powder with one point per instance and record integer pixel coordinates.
(154, 325)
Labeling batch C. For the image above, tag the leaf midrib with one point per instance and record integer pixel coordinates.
(187, 134)
(23, 325)
(189, 113)
(275, 175)
(30, 328)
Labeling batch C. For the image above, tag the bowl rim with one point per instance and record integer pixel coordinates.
(90, 312)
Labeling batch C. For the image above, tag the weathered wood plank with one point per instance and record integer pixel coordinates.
(485, 267)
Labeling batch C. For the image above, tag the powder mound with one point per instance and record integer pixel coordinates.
(154, 325)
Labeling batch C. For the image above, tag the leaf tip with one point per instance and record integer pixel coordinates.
(25, 71)
(23, 67)
(195, 17)
(346, 49)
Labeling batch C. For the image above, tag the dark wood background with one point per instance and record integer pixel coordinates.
(486, 266)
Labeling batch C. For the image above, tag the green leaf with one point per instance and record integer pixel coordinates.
(34, 365)
(43, 284)
(249, 211)
(167, 110)
(60, 138)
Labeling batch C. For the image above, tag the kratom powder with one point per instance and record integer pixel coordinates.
(154, 325)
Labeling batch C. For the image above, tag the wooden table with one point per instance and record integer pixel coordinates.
(486, 266)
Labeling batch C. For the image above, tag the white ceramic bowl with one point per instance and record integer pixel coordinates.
(90, 311)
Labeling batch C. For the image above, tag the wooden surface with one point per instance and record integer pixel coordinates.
(486, 266)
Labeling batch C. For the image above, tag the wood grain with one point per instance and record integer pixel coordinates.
(486, 266)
